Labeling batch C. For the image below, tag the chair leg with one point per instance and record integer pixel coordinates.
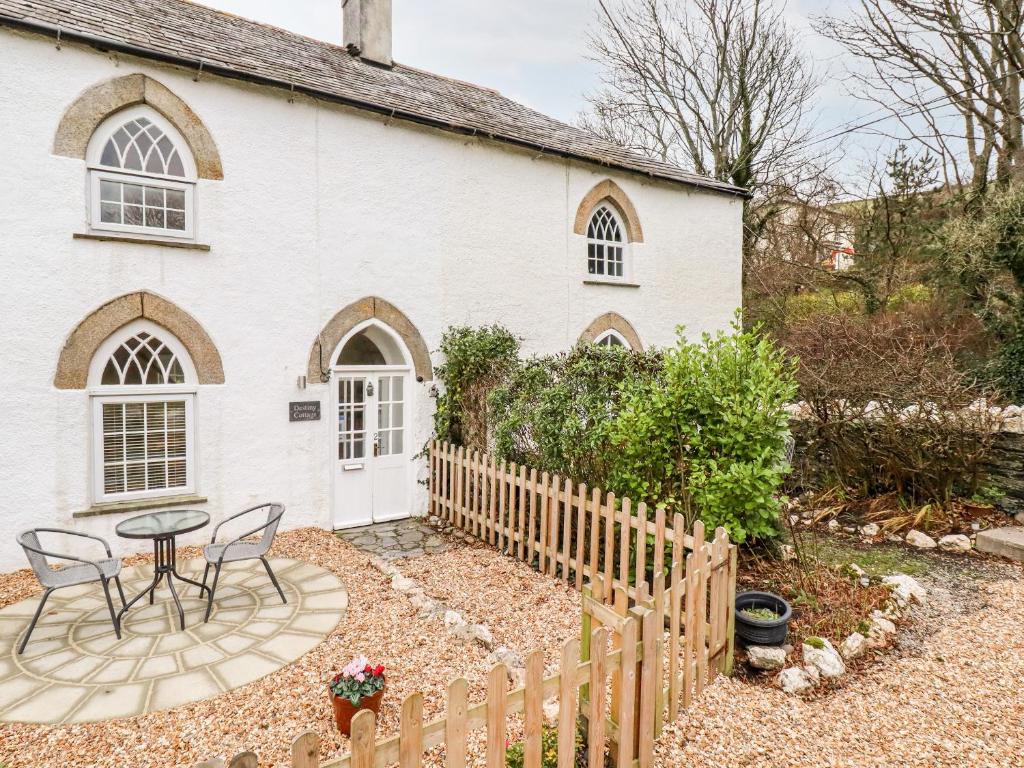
(110, 606)
(32, 626)
(273, 578)
(209, 604)
(120, 591)
(206, 572)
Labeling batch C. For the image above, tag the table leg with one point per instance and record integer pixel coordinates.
(174, 570)
(158, 574)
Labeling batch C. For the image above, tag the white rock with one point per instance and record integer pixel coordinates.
(453, 619)
(955, 542)
(864, 581)
(551, 711)
(794, 519)
(505, 655)
(794, 680)
(766, 657)
(812, 673)
(883, 621)
(977, 526)
(920, 540)
(906, 588)
(481, 634)
(871, 529)
(788, 552)
(856, 570)
(853, 646)
(827, 659)
(402, 583)
(849, 529)
(833, 525)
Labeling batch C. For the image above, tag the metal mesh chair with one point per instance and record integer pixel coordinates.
(238, 549)
(79, 571)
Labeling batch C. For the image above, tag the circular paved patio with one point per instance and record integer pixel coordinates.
(74, 668)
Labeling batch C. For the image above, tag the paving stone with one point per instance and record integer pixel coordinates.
(241, 670)
(115, 671)
(78, 669)
(181, 689)
(80, 672)
(116, 701)
(289, 646)
(51, 705)
(156, 666)
(396, 540)
(1005, 542)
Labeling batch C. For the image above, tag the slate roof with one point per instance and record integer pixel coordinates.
(186, 33)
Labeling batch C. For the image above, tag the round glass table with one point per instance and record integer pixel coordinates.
(162, 527)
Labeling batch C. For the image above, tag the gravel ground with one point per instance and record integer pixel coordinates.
(949, 695)
(265, 716)
(484, 585)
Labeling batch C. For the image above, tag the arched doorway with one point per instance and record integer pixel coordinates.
(372, 467)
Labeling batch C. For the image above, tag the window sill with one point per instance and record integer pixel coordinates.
(138, 505)
(114, 237)
(618, 283)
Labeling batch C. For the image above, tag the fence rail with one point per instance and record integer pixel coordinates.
(657, 624)
(578, 534)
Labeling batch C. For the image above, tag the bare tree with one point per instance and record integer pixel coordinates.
(949, 72)
(718, 86)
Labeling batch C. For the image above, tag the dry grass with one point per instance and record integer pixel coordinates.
(826, 602)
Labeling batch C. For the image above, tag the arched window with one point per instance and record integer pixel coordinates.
(142, 176)
(605, 244)
(142, 388)
(611, 339)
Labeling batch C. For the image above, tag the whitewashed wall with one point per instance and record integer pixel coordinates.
(319, 206)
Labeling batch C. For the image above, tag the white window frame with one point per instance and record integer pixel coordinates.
(612, 333)
(100, 496)
(627, 250)
(97, 173)
(117, 393)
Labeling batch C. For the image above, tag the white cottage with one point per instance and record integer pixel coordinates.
(228, 254)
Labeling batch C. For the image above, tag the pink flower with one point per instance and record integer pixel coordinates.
(360, 677)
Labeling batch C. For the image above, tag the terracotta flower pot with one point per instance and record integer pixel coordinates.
(344, 710)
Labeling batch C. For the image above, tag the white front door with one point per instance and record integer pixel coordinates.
(372, 467)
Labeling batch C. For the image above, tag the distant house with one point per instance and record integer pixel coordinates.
(817, 235)
(229, 253)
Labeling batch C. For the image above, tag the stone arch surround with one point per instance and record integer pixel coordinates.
(368, 308)
(97, 103)
(613, 321)
(610, 192)
(98, 325)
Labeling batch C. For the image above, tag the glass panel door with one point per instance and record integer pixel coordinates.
(351, 418)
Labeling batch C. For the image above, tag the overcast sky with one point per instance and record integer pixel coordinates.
(533, 51)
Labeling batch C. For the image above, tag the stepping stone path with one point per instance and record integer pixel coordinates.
(395, 540)
(1006, 542)
(75, 670)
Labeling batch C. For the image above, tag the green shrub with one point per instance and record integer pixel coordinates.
(555, 412)
(706, 437)
(476, 361)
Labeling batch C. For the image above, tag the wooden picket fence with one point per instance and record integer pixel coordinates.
(609, 686)
(579, 535)
(657, 626)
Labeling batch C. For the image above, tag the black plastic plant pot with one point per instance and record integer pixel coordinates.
(754, 631)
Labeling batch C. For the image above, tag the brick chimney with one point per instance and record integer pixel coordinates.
(366, 29)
